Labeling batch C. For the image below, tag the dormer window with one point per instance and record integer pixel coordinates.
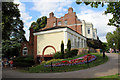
(65, 22)
(59, 23)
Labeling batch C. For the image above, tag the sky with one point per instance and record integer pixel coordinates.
(33, 9)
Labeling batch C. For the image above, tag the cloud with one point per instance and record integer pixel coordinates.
(26, 18)
(99, 21)
(47, 6)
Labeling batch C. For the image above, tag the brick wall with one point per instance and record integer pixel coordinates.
(70, 17)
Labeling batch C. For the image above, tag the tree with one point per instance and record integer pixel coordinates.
(69, 45)
(12, 29)
(110, 39)
(62, 49)
(40, 23)
(104, 49)
(112, 7)
(117, 38)
(114, 39)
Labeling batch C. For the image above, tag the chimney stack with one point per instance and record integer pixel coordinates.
(51, 15)
(70, 10)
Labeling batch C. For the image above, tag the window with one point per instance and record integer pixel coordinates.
(94, 34)
(59, 23)
(54, 24)
(25, 50)
(88, 30)
(66, 22)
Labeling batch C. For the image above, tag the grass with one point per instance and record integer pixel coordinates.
(41, 68)
(116, 53)
(110, 77)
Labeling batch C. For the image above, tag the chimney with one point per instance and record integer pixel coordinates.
(70, 10)
(51, 15)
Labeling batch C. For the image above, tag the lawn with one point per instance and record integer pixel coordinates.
(41, 68)
(110, 77)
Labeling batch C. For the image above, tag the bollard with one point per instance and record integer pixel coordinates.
(51, 67)
(87, 62)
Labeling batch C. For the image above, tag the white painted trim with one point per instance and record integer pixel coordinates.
(60, 30)
(65, 39)
(50, 31)
(72, 25)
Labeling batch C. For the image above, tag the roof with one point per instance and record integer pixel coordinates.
(58, 27)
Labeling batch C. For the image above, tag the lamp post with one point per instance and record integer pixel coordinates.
(114, 47)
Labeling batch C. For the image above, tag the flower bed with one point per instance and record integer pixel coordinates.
(80, 60)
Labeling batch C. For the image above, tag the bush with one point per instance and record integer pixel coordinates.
(23, 61)
(58, 55)
(43, 62)
(69, 45)
(53, 60)
(62, 49)
(71, 53)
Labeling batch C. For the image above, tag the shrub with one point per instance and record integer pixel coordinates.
(58, 55)
(53, 60)
(23, 61)
(69, 45)
(43, 62)
(62, 49)
(71, 53)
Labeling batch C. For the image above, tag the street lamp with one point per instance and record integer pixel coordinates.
(114, 47)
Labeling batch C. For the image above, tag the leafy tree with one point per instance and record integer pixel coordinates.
(114, 39)
(40, 23)
(104, 49)
(12, 29)
(110, 39)
(62, 49)
(106, 46)
(117, 38)
(112, 7)
(69, 45)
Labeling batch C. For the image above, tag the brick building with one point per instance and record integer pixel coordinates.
(48, 40)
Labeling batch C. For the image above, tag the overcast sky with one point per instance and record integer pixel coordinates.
(34, 9)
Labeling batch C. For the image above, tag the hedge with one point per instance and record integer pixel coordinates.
(23, 61)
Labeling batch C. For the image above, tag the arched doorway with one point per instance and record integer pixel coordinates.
(45, 49)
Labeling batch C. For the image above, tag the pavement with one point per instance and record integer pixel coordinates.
(108, 68)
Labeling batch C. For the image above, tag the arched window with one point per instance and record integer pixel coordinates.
(25, 51)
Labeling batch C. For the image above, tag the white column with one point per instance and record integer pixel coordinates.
(65, 39)
(73, 41)
(80, 43)
(77, 42)
(83, 43)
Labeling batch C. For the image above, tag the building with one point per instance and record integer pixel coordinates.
(48, 40)
(88, 30)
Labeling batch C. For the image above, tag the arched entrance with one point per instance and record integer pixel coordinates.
(45, 49)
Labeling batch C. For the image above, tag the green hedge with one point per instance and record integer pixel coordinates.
(23, 61)
(71, 53)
